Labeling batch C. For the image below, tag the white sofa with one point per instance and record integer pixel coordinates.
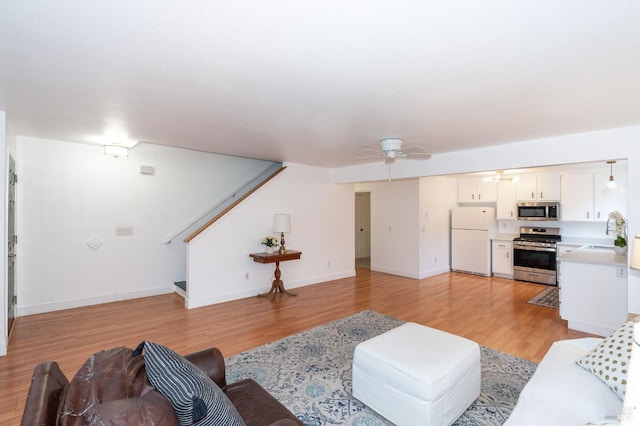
(564, 394)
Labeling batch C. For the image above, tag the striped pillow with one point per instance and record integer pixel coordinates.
(194, 396)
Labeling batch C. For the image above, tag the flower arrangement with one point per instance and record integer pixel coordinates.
(620, 240)
(270, 241)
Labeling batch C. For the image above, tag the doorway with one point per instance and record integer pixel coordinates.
(11, 245)
(363, 229)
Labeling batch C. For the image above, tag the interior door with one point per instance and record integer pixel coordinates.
(11, 244)
(363, 225)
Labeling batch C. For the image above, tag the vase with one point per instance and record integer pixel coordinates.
(269, 250)
(620, 250)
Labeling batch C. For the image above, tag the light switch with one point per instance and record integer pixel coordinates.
(124, 230)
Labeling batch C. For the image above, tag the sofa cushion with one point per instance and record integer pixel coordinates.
(609, 361)
(106, 376)
(150, 409)
(194, 396)
(562, 393)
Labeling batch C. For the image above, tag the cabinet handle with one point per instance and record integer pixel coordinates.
(511, 213)
(598, 215)
(533, 196)
(473, 196)
(541, 195)
(507, 255)
(479, 196)
(587, 215)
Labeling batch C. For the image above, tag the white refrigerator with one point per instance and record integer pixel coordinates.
(471, 232)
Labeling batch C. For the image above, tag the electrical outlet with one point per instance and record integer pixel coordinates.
(246, 275)
(621, 272)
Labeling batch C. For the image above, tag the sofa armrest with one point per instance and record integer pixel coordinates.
(48, 388)
(211, 362)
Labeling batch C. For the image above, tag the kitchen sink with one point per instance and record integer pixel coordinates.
(596, 247)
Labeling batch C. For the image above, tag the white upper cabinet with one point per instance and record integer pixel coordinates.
(476, 190)
(542, 187)
(506, 205)
(577, 197)
(608, 199)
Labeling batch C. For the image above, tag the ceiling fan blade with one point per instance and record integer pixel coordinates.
(418, 156)
(413, 149)
(372, 150)
(370, 157)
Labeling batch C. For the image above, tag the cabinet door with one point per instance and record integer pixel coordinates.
(548, 187)
(577, 197)
(526, 188)
(610, 199)
(501, 261)
(506, 204)
(467, 190)
(487, 191)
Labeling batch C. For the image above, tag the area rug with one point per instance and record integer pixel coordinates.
(549, 297)
(310, 373)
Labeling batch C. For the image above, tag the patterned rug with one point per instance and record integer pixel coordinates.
(549, 297)
(310, 373)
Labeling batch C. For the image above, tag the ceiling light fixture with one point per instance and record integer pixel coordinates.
(116, 150)
(499, 176)
(611, 183)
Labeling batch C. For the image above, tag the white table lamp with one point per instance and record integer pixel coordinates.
(281, 224)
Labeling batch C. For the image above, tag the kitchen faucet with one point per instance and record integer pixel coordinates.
(607, 230)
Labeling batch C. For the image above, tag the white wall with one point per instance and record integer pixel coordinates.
(395, 242)
(576, 148)
(438, 195)
(69, 193)
(322, 217)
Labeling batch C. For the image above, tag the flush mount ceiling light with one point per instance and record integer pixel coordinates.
(116, 150)
(611, 183)
(499, 176)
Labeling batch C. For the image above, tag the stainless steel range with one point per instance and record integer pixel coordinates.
(534, 255)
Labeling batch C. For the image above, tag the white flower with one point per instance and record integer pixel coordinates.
(620, 222)
(270, 241)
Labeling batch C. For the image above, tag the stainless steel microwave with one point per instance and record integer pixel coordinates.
(538, 210)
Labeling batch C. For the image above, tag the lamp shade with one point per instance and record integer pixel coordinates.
(635, 253)
(281, 222)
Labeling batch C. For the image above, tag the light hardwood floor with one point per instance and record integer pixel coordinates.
(491, 311)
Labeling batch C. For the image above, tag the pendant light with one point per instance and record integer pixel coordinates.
(612, 183)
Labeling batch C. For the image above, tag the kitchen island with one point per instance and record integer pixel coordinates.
(593, 289)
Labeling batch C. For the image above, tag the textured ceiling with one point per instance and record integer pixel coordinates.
(314, 82)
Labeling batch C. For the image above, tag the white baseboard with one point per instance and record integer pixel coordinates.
(395, 272)
(192, 303)
(77, 303)
(433, 272)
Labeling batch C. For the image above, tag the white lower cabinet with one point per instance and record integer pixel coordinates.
(593, 297)
(502, 258)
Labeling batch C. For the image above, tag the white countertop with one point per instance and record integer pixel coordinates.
(504, 237)
(598, 257)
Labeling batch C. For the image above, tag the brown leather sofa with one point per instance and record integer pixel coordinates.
(112, 388)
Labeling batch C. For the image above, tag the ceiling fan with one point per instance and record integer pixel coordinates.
(391, 148)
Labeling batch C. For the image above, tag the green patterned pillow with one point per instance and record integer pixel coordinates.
(609, 361)
(194, 396)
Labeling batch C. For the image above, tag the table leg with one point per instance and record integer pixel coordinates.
(277, 285)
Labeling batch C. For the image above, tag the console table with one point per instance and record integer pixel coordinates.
(277, 285)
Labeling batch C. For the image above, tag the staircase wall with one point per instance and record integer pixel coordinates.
(322, 217)
(69, 194)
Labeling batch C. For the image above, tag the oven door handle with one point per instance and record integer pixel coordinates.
(529, 248)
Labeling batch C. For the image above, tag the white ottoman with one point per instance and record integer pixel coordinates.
(416, 375)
